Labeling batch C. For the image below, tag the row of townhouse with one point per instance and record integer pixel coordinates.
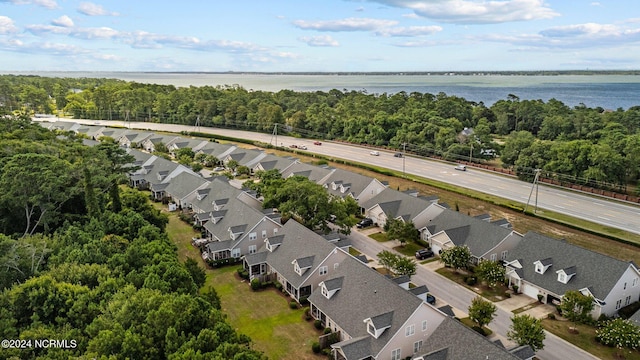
(372, 315)
(540, 266)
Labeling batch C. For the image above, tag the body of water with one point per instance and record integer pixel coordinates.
(606, 91)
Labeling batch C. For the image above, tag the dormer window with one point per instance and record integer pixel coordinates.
(378, 324)
(334, 186)
(302, 264)
(564, 275)
(543, 265)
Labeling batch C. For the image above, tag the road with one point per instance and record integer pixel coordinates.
(594, 209)
(460, 298)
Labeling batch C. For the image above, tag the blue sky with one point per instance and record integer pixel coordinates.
(318, 35)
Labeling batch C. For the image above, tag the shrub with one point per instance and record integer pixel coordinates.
(256, 284)
(540, 296)
(317, 324)
(551, 316)
(315, 347)
(243, 273)
(515, 288)
(304, 300)
(277, 285)
(471, 280)
(293, 304)
(327, 331)
(307, 313)
(507, 295)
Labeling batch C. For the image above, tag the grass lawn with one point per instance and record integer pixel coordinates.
(472, 325)
(492, 294)
(265, 316)
(586, 340)
(379, 237)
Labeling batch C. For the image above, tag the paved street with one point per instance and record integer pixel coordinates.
(459, 297)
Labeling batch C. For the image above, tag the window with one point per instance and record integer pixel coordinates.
(618, 304)
(627, 300)
(635, 282)
(417, 346)
(493, 257)
(323, 289)
(395, 354)
(335, 266)
(264, 234)
(424, 325)
(235, 253)
(252, 249)
(253, 236)
(323, 270)
(562, 277)
(371, 329)
(275, 231)
(410, 330)
(539, 269)
(624, 287)
(504, 254)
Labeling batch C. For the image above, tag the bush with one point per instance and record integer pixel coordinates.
(304, 300)
(327, 331)
(256, 284)
(507, 295)
(471, 280)
(307, 314)
(315, 347)
(293, 304)
(551, 316)
(317, 324)
(243, 273)
(515, 288)
(278, 285)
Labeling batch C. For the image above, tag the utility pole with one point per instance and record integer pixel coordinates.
(404, 153)
(274, 134)
(197, 126)
(534, 185)
(471, 152)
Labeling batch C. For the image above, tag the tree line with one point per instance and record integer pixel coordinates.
(85, 260)
(580, 144)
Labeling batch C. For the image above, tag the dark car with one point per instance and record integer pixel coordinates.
(364, 223)
(397, 154)
(423, 254)
(431, 299)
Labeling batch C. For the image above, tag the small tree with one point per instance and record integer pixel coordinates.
(481, 311)
(402, 231)
(457, 257)
(527, 330)
(491, 272)
(619, 333)
(576, 307)
(387, 259)
(405, 266)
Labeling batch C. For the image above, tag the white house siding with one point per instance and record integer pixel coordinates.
(336, 257)
(264, 224)
(371, 190)
(405, 343)
(508, 244)
(440, 242)
(621, 292)
(378, 216)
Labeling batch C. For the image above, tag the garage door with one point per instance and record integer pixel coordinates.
(530, 291)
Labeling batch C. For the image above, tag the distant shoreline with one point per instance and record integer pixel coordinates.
(356, 73)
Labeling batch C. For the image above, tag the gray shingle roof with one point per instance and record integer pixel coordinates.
(311, 172)
(184, 184)
(356, 348)
(454, 341)
(333, 284)
(354, 183)
(395, 203)
(595, 271)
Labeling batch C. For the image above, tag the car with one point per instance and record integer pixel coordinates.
(302, 147)
(317, 143)
(431, 299)
(218, 168)
(374, 153)
(424, 254)
(461, 167)
(366, 222)
(399, 154)
(293, 146)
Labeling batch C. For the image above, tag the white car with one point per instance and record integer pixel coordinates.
(303, 147)
(374, 153)
(461, 167)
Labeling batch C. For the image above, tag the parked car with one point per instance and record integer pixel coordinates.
(423, 254)
(431, 299)
(374, 153)
(399, 154)
(218, 168)
(366, 222)
(461, 167)
(317, 143)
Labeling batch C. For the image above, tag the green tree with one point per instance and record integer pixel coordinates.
(514, 144)
(576, 307)
(402, 231)
(481, 311)
(527, 330)
(491, 272)
(619, 333)
(387, 259)
(405, 266)
(457, 257)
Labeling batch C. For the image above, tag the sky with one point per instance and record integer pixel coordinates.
(319, 35)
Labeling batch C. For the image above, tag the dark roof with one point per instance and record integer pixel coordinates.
(454, 341)
(593, 270)
(523, 352)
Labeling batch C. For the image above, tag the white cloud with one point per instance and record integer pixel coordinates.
(91, 9)
(7, 26)
(48, 4)
(63, 21)
(595, 3)
(476, 11)
(319, 40)
(409, 31)
(348, 24)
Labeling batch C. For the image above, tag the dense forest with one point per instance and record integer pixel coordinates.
(87, 262)
(583, 145)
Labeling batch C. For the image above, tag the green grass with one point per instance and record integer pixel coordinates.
(586, 340)
(494, 294)
(472, 325)
(409, 249)
(265, 316)
(379, 237)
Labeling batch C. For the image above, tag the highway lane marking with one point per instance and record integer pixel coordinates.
(603, 218)
(561, 207)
